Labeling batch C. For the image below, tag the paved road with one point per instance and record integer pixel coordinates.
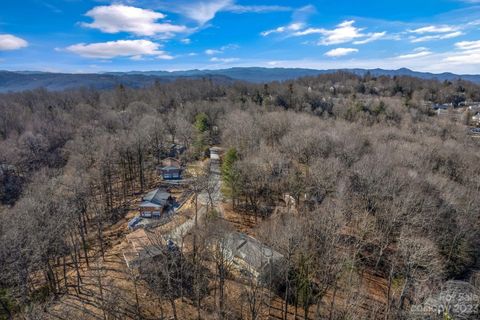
(215, 182)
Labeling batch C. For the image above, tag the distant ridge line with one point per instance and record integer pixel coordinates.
(28, 80)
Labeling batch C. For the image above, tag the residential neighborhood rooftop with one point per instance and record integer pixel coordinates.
(250, 252)
(158, 197)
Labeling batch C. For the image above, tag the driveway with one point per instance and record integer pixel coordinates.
(215, 181)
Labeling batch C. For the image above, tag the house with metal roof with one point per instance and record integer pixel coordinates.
(171, 173)
(170, 169)
(142, 245)
(249, 255)
(155, 204)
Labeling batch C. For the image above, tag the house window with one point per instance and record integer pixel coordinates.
(146, 214)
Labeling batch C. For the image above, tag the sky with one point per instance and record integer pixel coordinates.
(83, 36)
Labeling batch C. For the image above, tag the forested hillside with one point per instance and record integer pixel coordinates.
(369, 196)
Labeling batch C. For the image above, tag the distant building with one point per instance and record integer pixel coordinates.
(170, 169)
(156, 204)
(142, 245)
(7, 168)
(172, 150)
(474, 107)
(171, 162)
(289, 200)
(171, 173)
(441, 106)
(476, 119)
(176, 150)
(475, 131)
(250, 255)
(313, 199)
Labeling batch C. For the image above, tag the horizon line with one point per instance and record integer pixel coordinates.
(239, 67)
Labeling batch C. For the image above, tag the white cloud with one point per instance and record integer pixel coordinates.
(10, 42)
(186, 41)
(417, 53)
(137, 58)
(472, 57)
(203, 11)
(309, 31)
(436, 37)
(345, 32)
(419, 49)
(224, 60)
(371, 37)
(474, 23)
(120, 18)
(434, 29)
(439, 32)
(340, 52)
(222, 49)
(298, 22)
(303, 13)
(256, 9)
(468, 45)
(230, 46)
(135, 49)
(295, 26)
(212, 52)
(469, 53)
(164, 56)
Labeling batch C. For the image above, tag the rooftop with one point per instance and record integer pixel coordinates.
(253, 252)
(158, 197)
(169, 168)
(143, 245)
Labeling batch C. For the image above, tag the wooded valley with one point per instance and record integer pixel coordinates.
(366, 195)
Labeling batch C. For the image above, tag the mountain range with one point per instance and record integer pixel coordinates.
(28, 80)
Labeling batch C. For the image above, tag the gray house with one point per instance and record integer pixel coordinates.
(170, 169)
(176, 150)
(142, 245)
(155, 204)
(171, 173)
(249, 255)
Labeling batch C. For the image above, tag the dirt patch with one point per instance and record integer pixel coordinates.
(245, 223)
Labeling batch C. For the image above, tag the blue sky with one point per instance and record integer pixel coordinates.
(101, 35)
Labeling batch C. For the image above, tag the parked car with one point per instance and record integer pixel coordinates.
(133, 223)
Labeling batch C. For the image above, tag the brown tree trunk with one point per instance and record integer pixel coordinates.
(332, 304)
(65, 282)
(174, 308)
